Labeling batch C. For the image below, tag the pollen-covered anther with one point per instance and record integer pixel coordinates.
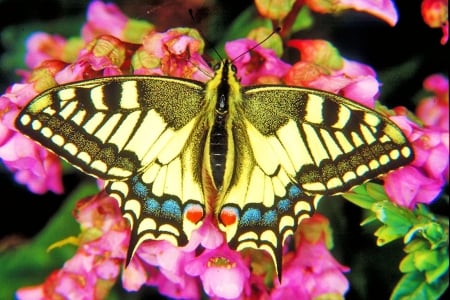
(221, 262)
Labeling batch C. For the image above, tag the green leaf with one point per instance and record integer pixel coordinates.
(440, 270)
(360, 197)
(415, 245)
(31, 263)
(394, 215)
(407, 264)
(304, 20)
(426, 259)
(386, 234)
(274, 9)
(435, 234)
(376, 191)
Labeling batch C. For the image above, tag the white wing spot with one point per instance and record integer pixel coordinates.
(84, 156)
(394, 154)
(342, 117)
(25, 120)
(47, 132)
(384, 159)
(97, 98)
(58, 140)
(36, 125)
(71, 148)
(361, 170)
(373, 164)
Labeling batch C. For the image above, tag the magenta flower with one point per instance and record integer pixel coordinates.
(424, 179)
(31, 164)
(434, 110)
(43, 46)
(93, 270)
(222, 271)
(176, 52)
(261, 65)
(160, 264)
(323, 68)
(384, 9)
(408, 186)
(312, 272)
(171, 272)
(108, 19)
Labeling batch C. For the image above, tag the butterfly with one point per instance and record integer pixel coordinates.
(173, 151)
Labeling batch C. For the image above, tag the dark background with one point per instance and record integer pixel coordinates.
(411, 44)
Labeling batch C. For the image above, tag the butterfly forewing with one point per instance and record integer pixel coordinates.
(132, 132)
(326, 142)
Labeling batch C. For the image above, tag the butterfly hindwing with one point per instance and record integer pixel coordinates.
(166, 201)
(131, 131)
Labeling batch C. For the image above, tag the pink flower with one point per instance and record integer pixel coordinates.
(384, 9)
(434, 110)
(103, 56)
(423, 180)
(108, 19)
(43, 46)
(160, 264)
(323, 68)
(176, 52)
(91, 273)
(312, 271)
(169, 263)
(31, 164)
(258, 66)
(408, 186)
(104, 18)
(222, 271)
(435, 15)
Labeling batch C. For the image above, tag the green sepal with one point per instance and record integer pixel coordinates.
(414, 286)
(360, 197)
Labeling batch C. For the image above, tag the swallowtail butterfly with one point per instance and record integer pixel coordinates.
(173, 151)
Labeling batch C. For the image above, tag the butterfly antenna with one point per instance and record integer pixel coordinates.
(278, 29)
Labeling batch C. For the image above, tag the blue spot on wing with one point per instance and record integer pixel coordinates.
(171, 209)
(251, 217)
(294, 192)
(270, 218)
(152, 206)
(139, 188)
(283, 205)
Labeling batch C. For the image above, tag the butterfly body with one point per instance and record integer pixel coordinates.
(173, 151)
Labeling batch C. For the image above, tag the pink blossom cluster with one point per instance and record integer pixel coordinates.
(423, 180)
(109, 45)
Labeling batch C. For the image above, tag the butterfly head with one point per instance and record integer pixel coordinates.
(223, 90)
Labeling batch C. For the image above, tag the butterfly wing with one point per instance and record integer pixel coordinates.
(294, 146)
(131, 131)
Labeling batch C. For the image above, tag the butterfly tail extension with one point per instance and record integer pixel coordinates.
(154, 218)
(260, 227)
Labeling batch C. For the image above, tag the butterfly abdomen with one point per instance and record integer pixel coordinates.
(218, 149)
